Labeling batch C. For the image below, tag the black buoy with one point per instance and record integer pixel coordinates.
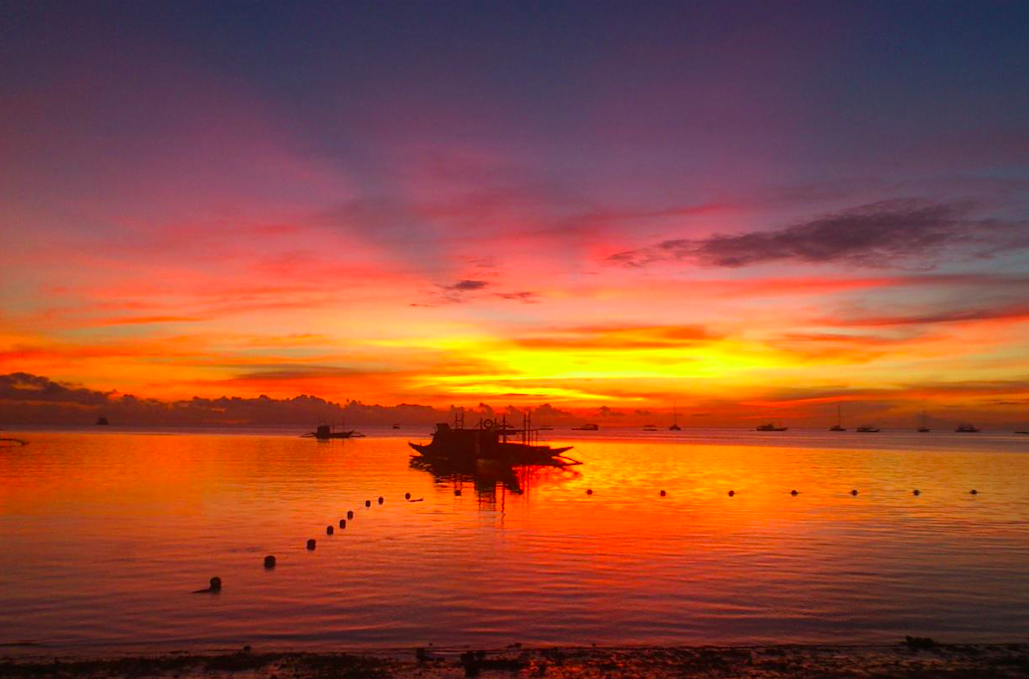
(329, 530)
(794, 493)
(381, 500)
(407, 496)
(350, 514)
(269, 561)
(342, 523)
(731, 493)
(916, 492)
(854, 492)
(311, 543)
(973, 492)
(589, 491)
(663, 493)
(367, 503)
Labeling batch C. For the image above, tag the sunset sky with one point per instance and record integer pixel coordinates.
(749, 209)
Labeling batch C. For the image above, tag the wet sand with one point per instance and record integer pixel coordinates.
(951, 661)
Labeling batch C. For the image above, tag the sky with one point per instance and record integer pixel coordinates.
(748, 210)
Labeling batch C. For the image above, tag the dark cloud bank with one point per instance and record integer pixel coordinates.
(35, 400)
(887, 233)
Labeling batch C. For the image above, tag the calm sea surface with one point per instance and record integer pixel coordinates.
(103, 535)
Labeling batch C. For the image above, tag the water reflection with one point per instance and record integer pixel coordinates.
(492, 480)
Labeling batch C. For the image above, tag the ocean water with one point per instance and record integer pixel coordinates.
(105, 533)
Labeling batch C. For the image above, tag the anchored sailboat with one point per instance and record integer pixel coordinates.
(839, 420)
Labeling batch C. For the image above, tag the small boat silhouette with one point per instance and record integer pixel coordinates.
(675, 419)
(967, 428)
(868, 429)
(102, 421)
(324, 432)
(923, 428)
(650, 427)
(771, 427)
(839, 420)
(589, 426)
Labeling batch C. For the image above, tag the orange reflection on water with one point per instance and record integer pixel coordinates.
(105, 535)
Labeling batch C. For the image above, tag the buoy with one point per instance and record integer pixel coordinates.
(216, 584)
(329, 530)
(381, 500)
(269, 561)
(350, 514)
(853, 492)
(311, 543)
(731, 493)
(367, 503)
(794, 493)
(407, 496)
(589, 491)
(973, 492)
(916, 492)
(663, 493)
(342, 523)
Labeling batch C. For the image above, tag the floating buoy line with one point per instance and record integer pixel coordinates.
(215, 583)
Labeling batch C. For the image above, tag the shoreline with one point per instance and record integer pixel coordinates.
(914, 658)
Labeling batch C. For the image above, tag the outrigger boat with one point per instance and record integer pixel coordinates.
(324, 432)
(489, 441)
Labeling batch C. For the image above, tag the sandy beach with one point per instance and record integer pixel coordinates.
(924, 661)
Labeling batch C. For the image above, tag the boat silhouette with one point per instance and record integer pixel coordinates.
(770, 426)
(587, 427)
(868, 429)
(325, 432)
(102, 421)
(490, 441)
(839, 420)
(967, 428)
(923, 428)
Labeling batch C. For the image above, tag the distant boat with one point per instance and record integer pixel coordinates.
(924, 427)
(839, 420)
(967, 428)
(868, 429)
(771, 427)
(1022, 431)
(546, 427)
(650, 427)
(102, 421)
(587, 427)
(396, 426)
(675, 420)
(325, 432)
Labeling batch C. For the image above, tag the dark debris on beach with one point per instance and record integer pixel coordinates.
(937, 661)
